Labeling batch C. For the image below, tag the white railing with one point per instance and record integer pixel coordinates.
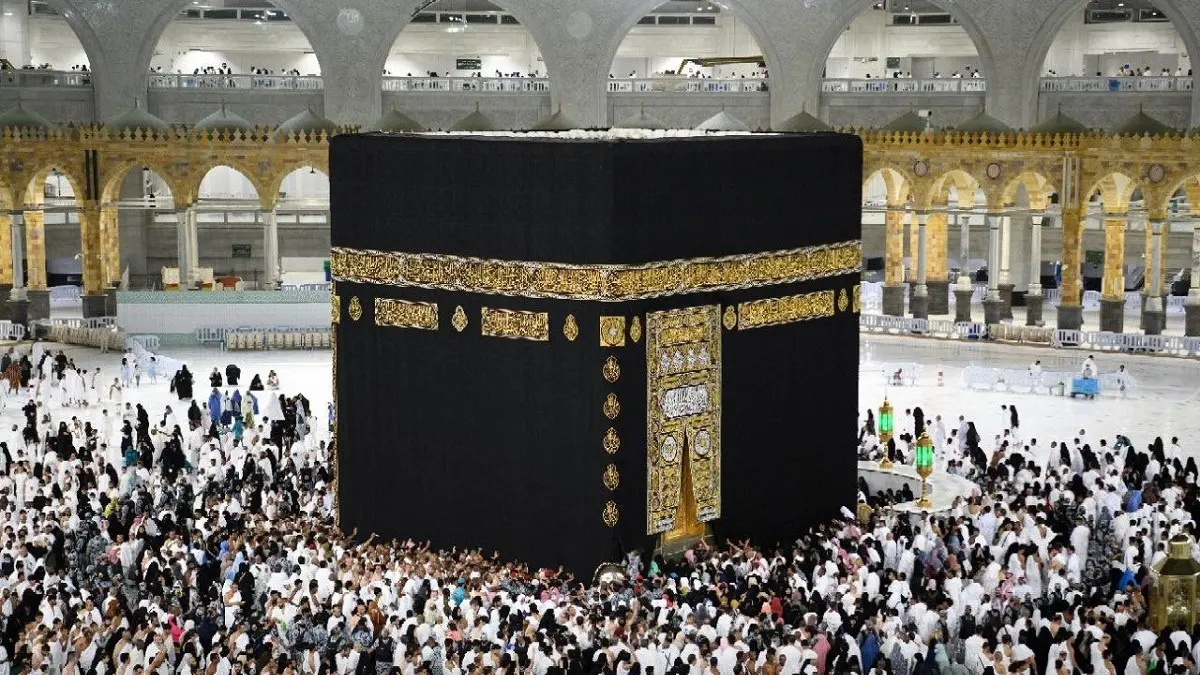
(904, 85)
(1116, 84)
(95, 322)
(44, 78)
(509, 85)
(1060, 338)
(260, 82)
(1050, 382)
(11, 331)
(686, 86)
(283, 337)
(82, 335)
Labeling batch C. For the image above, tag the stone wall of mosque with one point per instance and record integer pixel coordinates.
(440, 110)
(1110, 110)
(686, 110)
(265, 107)
(59, 105)
(875, 110)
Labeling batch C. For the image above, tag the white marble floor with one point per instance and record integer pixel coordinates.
(1169, 391)
(1168, 396)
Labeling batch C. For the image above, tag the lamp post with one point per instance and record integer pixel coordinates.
(885, 432)
(924, 465)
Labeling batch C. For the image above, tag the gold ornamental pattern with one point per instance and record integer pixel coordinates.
(612, 407)
(355, 308)
(787, 309)
(335, 301)
(570, 328)
(459, 320)
(610, 515)
(635, 329)
(611, 370)
(607, 283)
(612, 331)
(406, 314)
(612, 442)
(611, 477)
(683, 413)
(516, 324)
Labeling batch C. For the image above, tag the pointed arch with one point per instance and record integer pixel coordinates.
(770, 53)
(1065, 10)
(92, 46)
(292, 169)
(245, 171)
(169, 11)
(851, 9)
(110, 185)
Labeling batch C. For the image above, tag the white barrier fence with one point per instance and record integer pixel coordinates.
(1045, 382)
(11, 331)
(903, 325)
(83, 336)
(1032, 335)
(282, 337)
(871, 297)
(95, 322)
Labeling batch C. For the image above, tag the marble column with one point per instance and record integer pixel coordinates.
(937, 273)
(1070, 307)
(193, 235)
(1034, 299)
(35, 260)
(919, 303)
(1192, 308)
(18, 302)
(93, 260)
(1153, 316)
(1006, 285)
(110, 252)
(964, 289)
(6, 262)
(992, 304)
(1112, 297)
(270, 250)
(183, 241)
(893, 262)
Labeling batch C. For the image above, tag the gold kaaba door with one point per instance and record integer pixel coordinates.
(683, 424)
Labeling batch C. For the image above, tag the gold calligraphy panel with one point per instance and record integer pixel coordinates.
(595, 282)
(406, 314)
(511, 323)
(683, 415)
(788, 309)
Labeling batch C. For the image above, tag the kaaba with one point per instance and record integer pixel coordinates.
(564, 347)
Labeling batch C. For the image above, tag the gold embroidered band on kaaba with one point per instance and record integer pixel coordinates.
(788, 309)
(595, 282)
(406, 314)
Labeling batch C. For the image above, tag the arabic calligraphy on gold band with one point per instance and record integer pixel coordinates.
(595, 282)
(788, 309)
(511, 323)
(406, 314)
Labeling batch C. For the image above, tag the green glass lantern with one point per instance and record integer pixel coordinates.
(923, 461)
(885, 432)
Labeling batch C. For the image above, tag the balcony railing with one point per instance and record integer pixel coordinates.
(508, 85)
(1116, 84)
(686, 86)
(258, 82)
(935, 85)
(44, 78)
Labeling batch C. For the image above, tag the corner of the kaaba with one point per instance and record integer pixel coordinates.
(567, 385)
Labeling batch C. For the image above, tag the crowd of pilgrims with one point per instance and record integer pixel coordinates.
(133, 543)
